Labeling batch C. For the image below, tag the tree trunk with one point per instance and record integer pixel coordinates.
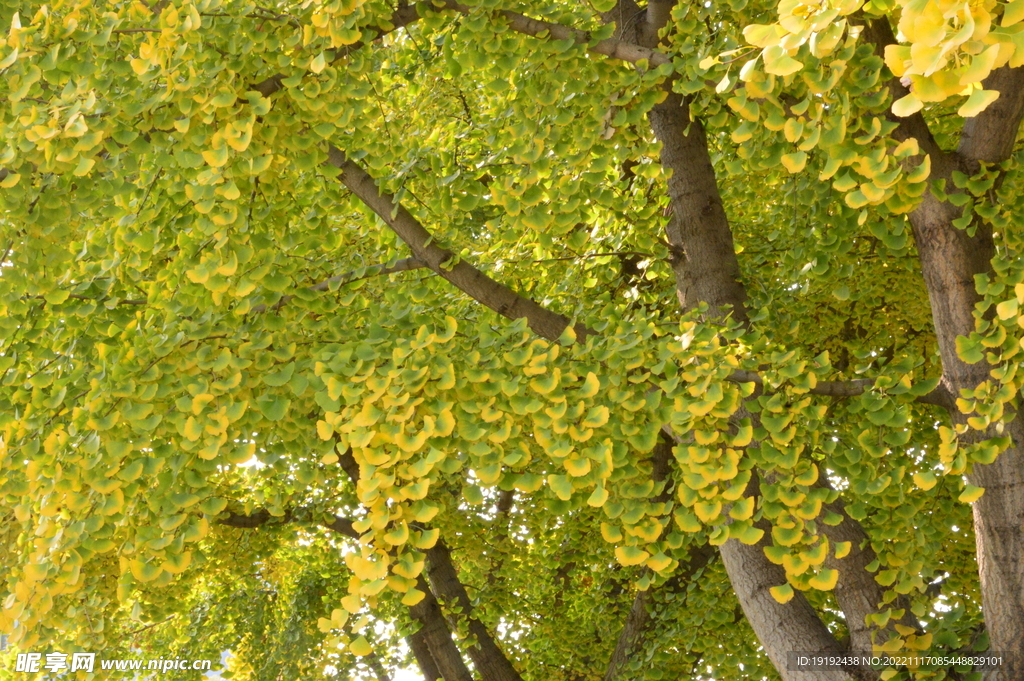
(950, 260)
(782, 628)
(489, 660)
(438, 638)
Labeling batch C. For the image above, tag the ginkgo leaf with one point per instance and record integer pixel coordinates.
(631, 555)
(978, 102)
(783, 594)
(971, 494)
(825, 579)
(360, 647)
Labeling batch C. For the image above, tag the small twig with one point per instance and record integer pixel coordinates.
(348, 278)
(150, 626)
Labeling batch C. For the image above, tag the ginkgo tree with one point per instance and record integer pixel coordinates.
(525, 341)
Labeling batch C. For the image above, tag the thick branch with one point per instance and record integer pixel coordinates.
(421, 651)
(878, 32)
(657, 16)
(438, 637)
(780, 627)
(262, 516)
(464, 276)
(857, 592)
(610, 47)
(703, 253)
(858, 386)
(432, 644)
(488, 658)
(990, 135)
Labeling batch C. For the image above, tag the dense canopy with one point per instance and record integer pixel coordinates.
(513, 341)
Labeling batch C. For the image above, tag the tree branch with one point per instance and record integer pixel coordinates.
(432, 644)
(403, 265)
(488, 658)
(858, 386)
(262, 516)
(421, 651)
(780, 627)
(464, 276)
(610, 47)
(990, 136)
(639, 617)
(402, 17)
(878, 32)
(857, 592)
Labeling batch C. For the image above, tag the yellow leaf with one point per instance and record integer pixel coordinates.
(412, 597)
(971, 494)
(659, 562)
(399, 535)
(748, 535)
(978, 102)
(427, 539)
(577, 467)
(1013, 12)
(687, 521)
(707, 510)
(825, 580)
(743, 509)
(630, 555)
(611, 533)
(795, 162)
(177, 563)
(597, 417)
(843, 549)
(925, 480)
(906, 106)
(216, 157)
(1007, 309)
(352, 603)
(782, 594)
(192, 429)
(360, 647)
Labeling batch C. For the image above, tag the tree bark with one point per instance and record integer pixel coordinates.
(703, 252)
(464, 276)
(857, 592)
(639, 618)
(435, 634)
(424, 660)
(489, 660)
(781, 628)
(950, 261)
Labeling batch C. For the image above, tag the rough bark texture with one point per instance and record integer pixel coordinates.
(781, 628)
(424, 660)
(950, 260)
(421, 650)
(631, 634)
(464, 276)
(704, 255)
(438, 637)
(489, 660)
(857, 592)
